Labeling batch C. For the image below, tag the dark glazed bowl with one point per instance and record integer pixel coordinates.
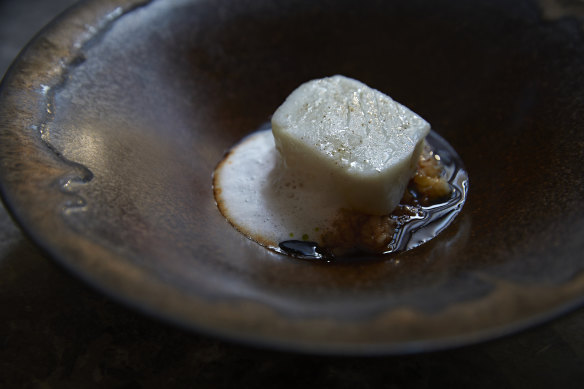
(113, 119)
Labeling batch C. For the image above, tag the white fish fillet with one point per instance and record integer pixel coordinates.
(356, 141)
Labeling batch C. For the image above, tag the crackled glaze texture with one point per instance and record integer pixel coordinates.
(113, 119)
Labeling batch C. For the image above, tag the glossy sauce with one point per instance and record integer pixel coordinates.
(416, 226)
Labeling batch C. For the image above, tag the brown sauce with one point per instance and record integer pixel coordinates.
(434, 197)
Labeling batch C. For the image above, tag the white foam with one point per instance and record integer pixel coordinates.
(267, 202)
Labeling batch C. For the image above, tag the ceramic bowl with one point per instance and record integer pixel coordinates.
(114, 117)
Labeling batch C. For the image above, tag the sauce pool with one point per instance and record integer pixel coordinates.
(412, 230)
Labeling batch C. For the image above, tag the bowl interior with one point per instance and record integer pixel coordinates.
(142, 112)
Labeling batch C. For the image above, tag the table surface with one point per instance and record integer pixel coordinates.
(56, 332)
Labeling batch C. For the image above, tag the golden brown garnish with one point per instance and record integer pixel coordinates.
(428, 181)
(357, 231)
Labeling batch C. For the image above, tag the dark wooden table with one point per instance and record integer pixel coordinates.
(57, 333)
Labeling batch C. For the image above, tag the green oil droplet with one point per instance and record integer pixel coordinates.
(305, 237)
